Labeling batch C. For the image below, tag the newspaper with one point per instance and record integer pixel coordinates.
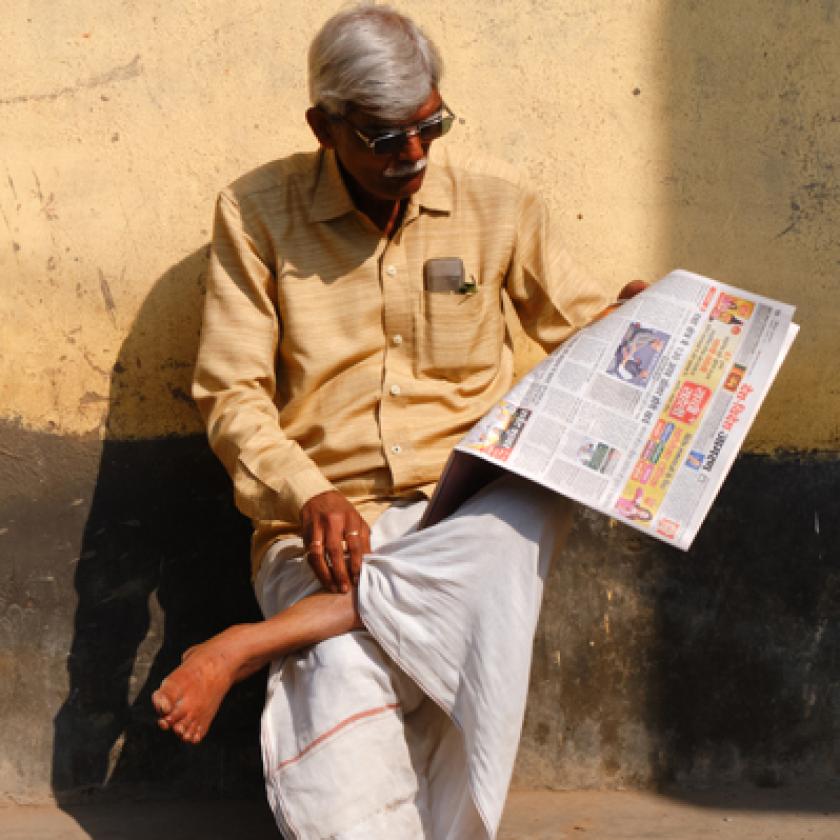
(639, 415)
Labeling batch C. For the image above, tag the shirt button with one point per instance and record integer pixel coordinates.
(396, 449)
(396, 340)
(391, 271)
(395, 390)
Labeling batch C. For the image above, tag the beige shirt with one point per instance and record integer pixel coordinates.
(324, 362)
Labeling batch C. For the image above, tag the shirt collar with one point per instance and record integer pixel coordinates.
(331, 199)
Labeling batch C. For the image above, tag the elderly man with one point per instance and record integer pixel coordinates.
(354, 330)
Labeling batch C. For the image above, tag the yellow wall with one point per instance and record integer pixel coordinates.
(692, 134)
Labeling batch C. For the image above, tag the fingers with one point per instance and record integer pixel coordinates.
(336, 539)
(358, 544)
(632, 289)
(629, 291)
(317, 559)
(335, 551)
(313, 533)
(608, 310)
(337, 562)
(353, 541)
(325, 553)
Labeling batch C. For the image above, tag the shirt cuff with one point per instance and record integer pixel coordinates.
(303, 485)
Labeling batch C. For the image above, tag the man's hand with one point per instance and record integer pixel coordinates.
(336, 538)
(630, 290)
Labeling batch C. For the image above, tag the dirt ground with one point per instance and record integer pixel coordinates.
(530, 815)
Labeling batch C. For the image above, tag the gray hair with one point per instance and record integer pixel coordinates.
(373, 58)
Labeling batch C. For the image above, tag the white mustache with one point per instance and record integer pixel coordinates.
(406, 169)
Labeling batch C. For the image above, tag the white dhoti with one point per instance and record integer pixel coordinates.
(409, 729)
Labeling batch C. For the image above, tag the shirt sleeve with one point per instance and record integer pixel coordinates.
(235, 377)
(552, 295)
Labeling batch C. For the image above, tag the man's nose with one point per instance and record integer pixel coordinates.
(413, 147)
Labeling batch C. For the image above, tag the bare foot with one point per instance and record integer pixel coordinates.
(188, 699)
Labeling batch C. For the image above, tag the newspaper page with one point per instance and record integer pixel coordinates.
(639, 415)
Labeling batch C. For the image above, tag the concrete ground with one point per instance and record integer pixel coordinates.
(779, 814)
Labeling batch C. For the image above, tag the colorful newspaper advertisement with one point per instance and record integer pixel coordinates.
(639, 415)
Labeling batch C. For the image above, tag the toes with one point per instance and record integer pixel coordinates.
(194, 734)
(161, 702)
(189, 731)
(178, 714)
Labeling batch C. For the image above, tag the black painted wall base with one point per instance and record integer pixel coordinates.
(116, 557)
(651, 666)
(655, 667)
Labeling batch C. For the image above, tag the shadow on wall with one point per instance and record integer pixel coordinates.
(748, 628)
(746, 659)
(654, 668)
(163, 565)
(701, 671)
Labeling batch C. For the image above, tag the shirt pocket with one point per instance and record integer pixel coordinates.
(459, 335)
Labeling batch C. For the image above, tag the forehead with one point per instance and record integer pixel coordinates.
(363, 119)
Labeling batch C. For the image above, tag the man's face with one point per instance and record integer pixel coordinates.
(388, 177)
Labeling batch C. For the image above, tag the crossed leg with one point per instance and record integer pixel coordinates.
(188, 699)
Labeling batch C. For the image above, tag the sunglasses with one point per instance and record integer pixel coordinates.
(391, 142)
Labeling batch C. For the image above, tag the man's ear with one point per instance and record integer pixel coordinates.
(322, 127)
